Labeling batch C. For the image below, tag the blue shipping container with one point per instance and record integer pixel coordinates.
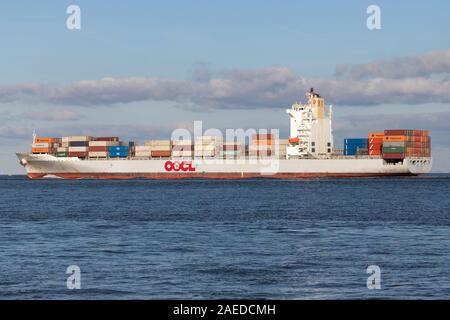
(351, 146)
(118, 151)
(78, 143)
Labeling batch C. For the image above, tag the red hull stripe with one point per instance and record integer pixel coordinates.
(193, 175)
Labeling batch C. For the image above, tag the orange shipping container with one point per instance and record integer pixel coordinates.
(163, 154)
(376, 140)
(262, 142)
(46, 140)
(375, 135)
(395, 138)
(41, 150)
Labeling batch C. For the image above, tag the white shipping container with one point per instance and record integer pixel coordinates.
(183, 148)
(65, 144)
(103, 143)
(157, 143)
(62, 149)
(181, 142)
(161, 148)
(78, 149)
(65, 139)
(204, 153)
(79, 138)
(207, 148)
(98, 154)
(143, 148)
(145, 154)
(182, 153)
(40, 145)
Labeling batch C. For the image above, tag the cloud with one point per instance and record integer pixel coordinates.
(271, 87)
(52, 115)
(422, 65)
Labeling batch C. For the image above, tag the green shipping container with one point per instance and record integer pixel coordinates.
(62, 154)
(393, 149)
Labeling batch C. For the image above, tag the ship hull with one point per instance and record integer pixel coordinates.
(47, 166)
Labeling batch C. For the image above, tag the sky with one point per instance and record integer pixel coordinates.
(140, 69)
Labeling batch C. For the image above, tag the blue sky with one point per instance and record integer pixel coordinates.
(178, 43)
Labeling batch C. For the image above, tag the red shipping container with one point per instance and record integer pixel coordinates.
(374, 152)
(262, 136)
(98, 149)
(106, 139)
(375, 140)
(231, 147)
(402, 132)
(78, 154)
(163, 154)
(393, 156)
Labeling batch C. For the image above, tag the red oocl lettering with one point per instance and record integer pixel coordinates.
(178, 165)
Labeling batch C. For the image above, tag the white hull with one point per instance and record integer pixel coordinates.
(41, 166)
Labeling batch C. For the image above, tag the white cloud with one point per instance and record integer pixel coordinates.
(422, 65)
(406, 81)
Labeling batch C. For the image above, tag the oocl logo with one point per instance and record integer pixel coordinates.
(178, 166)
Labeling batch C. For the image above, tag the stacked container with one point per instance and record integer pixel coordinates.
(78, 146)
(232, 150)
(45, 145)
(208, 146)
(98, 147)
(398, 144)
(282, 145)
(356, 146)
(159, 148)
(261, 145)
(182, 149)
(143, 151)
(375, 143)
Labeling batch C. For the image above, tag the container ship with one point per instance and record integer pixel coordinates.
(308, 152)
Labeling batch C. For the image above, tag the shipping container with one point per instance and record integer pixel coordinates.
(394, 144)
(393, 149)
(396, 138)
(78, 149)
(376, 135)
(98, 149)
(181, 147)
(98, 154)
(158, 143)
(41, 150)
(161, 154)
(118, 151)
(376, 140)
(106, 139)
(262, 136)
(161, 148)
(78, 138)
(62, 154)
(46, 140)
(103, 143)
(78, 143)
(41, 145)
(393, 156)
(78, 154)
(143, 148)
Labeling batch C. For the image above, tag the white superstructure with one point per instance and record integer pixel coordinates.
(310, 129)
